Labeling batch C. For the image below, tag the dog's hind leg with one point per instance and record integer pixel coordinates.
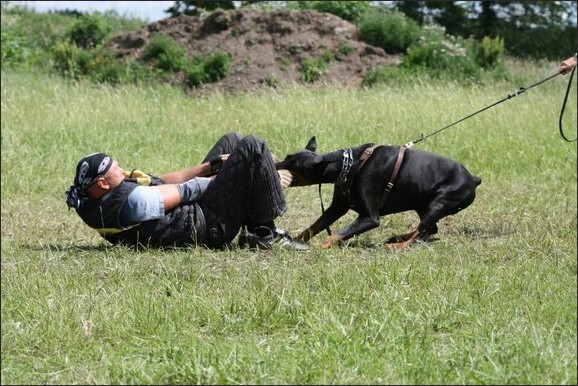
(439, 208)
(409, 238)
(401, 238)
(362, 224)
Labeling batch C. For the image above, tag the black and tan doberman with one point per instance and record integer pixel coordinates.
(376, 180)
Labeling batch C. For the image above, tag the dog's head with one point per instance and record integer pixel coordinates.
(308, 167)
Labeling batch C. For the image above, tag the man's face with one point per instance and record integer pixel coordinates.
(115, 175)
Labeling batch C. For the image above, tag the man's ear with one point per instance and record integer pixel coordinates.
(102, 183)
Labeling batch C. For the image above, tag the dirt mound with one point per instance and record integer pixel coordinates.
(267, 48)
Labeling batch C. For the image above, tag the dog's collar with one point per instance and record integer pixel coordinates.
(345, 166)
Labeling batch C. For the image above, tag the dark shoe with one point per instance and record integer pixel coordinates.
(270, 238)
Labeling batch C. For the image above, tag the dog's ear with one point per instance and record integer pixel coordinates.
(312, 144)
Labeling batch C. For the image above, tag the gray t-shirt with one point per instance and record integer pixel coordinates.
(146, 202)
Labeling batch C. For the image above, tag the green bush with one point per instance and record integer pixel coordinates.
(390, 30)
(312, 69)
(216, 66)
(89, 31)
(65, 56)
(100, 65)
(444, 55)
(489, 51)
(347, 10)
(164, 53)
(436, 55)
(125, 72)
(195, 76)
(207, 69)
(345, 48)
(16, 50)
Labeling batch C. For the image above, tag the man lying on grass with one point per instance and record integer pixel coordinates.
(236, 186)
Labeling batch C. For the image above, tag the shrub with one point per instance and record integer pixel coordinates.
(89, 31)
(489, 51)
(442, 55)
(390, 30)
(126, 72)
(207, 69)
(312, 69)
(272, 80)
(99, 65)
(16, 50)
(345, 48)
(165, 54)
(216, 66)
(347, 10)
(436, 55)
(65, 56)
(195, 75)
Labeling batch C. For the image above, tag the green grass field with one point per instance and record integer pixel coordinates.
(492, 300)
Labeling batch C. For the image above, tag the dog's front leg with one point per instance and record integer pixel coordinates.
(331, 215)
(322, 222)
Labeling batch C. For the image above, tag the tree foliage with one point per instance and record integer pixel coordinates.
(538, 29)
(195, 7)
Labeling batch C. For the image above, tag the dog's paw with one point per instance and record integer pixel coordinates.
(398, 246)
(331, 241)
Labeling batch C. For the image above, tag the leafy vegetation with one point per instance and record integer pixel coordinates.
(71, 44)
(441, 56)
(207, 69)
(165, 54)
(89, 31)
(390, 30)
(78, 51)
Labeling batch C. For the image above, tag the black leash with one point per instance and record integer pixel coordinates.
(564, 107)
(509, 96)
(328, 229)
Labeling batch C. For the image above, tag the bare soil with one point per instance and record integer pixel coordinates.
(267, 48)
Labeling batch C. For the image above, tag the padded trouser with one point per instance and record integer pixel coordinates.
(245, 192)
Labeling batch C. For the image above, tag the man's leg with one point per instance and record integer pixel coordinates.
(246, 191)
(225, 145)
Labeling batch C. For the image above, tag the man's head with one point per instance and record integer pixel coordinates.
(95, 175)
(90, 168)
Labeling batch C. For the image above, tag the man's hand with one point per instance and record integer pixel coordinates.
(217, 163)
(567, 65)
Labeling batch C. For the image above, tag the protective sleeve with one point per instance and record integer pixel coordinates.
(143, 178)
(193, 189)
(142, 204)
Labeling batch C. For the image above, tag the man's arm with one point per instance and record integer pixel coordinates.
(203, 170)
(183, 193)
(152, 202)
